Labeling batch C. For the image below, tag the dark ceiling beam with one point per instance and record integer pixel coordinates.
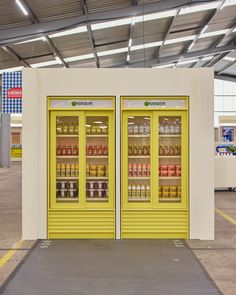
(189, 55)
(225, 77)
(206, 23)
(171, 24)
(51, 45)
(16, 57)
(90, 33)
(22, 33)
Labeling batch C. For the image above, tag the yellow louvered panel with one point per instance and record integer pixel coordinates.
(81, 224)
(154, 224)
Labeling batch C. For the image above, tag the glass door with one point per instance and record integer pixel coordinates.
(64, 159)
(136, 155)
(172, 159)
(100, 153)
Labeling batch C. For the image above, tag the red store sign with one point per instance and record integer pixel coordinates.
(14, 92)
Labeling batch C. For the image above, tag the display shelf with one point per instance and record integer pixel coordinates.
(67, 177)
(97, 157)
(67, 135)
(67, 157)
(169, 177)
(169, 135)
(68, 199)
(138, 157)
(97, 135)
(96, 177)
(138, 135)
(139, 200)
(137, 178)
(169, 199)
(169, 157)
(97, 200)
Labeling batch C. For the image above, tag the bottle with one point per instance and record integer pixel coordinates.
(130, 170)
(67, 170)
(133, 194)
(142, 192)
(135, 170)
(172, 128)
(138, 191)
(130, 129)
(139, 170)
(141, 129)
(69, 151)
(140, 150)
(63, 170)
(75, 150)
(147, 129)
(76, 129)
(161, 149)
(58, 170)
(145, 150)
(76, 170)
(148, 170)
(72, 170)
(59, 151)
(59, 127)
(167, 128)
(64, 150)
(95, 150)
(135, 129)
(144, 170)
(71, 128)
(176, 150)
(65, 128)
(172, 150)
(130, 150)
(135, 150)
(166, 149)
(129, 191)
(148, 192)
(161, 128)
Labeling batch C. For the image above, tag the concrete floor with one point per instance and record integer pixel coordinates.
(217, 257)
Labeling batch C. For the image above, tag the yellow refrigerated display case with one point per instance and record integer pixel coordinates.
(81, 167)
(154, 167)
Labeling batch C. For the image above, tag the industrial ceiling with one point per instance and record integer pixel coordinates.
(120, 33)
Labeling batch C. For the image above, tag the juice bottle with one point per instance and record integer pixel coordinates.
(135, 150)
(65, 128)
(69, 151)
(130, 170)
(148, 170)
(148, 192)
(59, 151)
(90, 150)
(130, 150)
(71, 128)
(95, 150)
(142, 194)
(63, 170)
(67, 170)
(64, 150)
(166, 148)
(139, 170)
(144, 170)
(136, 129)
(133, 194)
(105, 150)
(138, 191)
(59, 128)
(72, 170)
(76, 129)
(58, 170)
(129, 191)
(161, 149)
(172, 150)
(76, 170)
(75, 150)
(140, 150)
(135, 170)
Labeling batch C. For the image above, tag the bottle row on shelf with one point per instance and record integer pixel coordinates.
(98, 128)
(172, 191)
(67, 128)
(97, 150)
(170, 170)
(67, 170)
(97, 193)
(96, 185)
(167, 127)
(135, 129)
(67, 189)
(166, 149)
(140, 150)
(139, 170)
(97, 170)
(139, 192)
(67, 150)
(67, 184)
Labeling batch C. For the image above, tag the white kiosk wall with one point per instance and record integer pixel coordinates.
(195, 83)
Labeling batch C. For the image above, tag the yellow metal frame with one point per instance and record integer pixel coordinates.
(149, 220)
(82, 219)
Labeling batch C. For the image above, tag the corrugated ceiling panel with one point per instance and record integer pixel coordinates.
(113, 60)
(173, 49)
(157, 27)
(219, 66)
(224, 19)
(141, 55)
(35, 60)
(105, 5)
(10, 15)
(55, 9)
(116, 34)
(231, 70)
(204, 43)
(4, 56)
(83, 64)
(27, 50)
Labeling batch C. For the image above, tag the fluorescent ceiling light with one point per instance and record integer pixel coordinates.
(77, 30)
(11, 70)
(111, 24)
(22, 7)
(58, 59)
(189, 61)
(204, 29)
(222, 6)
(198, 8)
(165, 66)
(44, 39)
(229, 58)
(178, 40)
(214, 33)
(113, 51)
(133, 21)
(153, 16)
(191, 45)
(128, 57)
(31, 40)
(207, 57)
(45, 64)
(130, 42)
(147, 45)
(79, 57)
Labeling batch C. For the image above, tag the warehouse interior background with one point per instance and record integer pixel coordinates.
(121, 34)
